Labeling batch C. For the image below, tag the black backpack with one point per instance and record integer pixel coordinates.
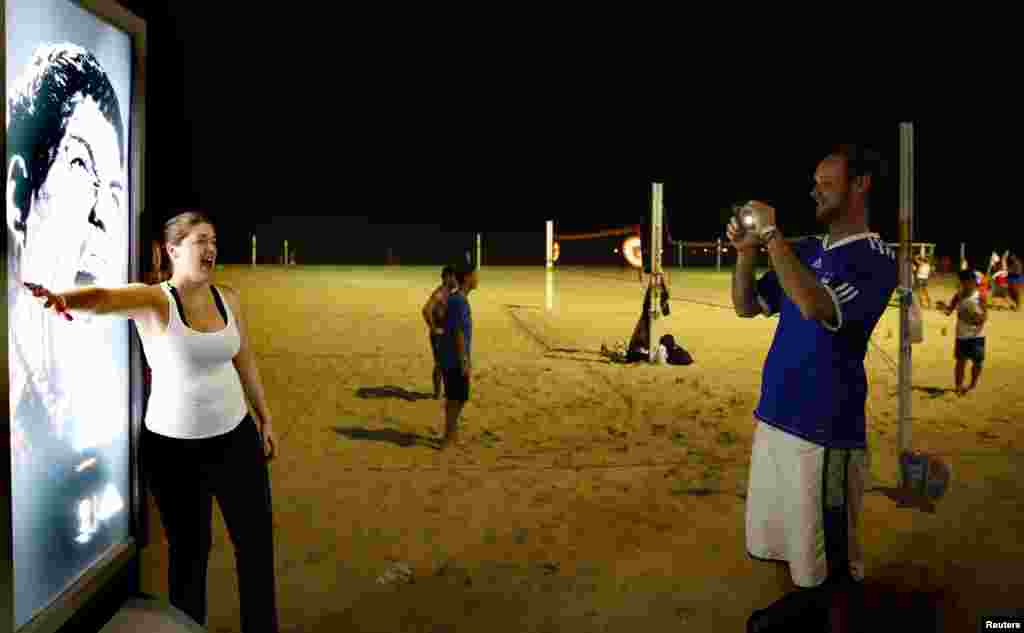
(676, 355)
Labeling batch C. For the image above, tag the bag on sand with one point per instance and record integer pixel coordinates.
(676, 355)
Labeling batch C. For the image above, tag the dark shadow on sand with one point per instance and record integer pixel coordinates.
(391, 391)
(602, 361)
(391, 436)
(934, 392)
(905, 499)
(878, 604)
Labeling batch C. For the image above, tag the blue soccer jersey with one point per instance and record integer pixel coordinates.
(814, 384)
(459, 318)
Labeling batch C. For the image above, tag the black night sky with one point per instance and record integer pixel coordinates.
(286, 118)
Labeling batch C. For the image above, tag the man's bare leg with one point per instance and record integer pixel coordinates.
(975, 374)
(452, 411)
(958, 374)
(927, 298)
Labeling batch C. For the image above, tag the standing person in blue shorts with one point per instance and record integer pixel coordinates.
(456, 348)
(809, 458)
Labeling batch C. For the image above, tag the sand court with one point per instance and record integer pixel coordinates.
(591, 494)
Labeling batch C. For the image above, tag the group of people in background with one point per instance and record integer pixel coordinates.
(977, 292)
(999, 285)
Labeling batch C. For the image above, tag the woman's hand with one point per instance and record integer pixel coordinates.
(269, 441)
(60, 306)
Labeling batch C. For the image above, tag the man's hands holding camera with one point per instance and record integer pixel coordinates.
(745, 228)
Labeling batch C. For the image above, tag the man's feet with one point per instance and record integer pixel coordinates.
(959, 391)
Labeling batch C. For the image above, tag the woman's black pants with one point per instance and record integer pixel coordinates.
(184, 477)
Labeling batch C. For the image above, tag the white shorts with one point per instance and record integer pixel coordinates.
(797, 514)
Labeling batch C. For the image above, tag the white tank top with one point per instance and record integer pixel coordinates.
(196, 391)
(969, 306)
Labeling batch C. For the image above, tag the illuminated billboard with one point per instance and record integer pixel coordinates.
(70, 199)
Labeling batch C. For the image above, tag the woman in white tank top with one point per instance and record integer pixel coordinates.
(199, 440)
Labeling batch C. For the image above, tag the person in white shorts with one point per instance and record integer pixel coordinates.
(809, 458)
(922, 272)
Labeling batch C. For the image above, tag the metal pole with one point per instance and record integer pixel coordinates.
(253, 249)
(679, 254)
(657, 211)
(479, 253)
(963, 256)
(718, 253)
(549, 247)
(286, 251)
(549, 289)
(906, 282)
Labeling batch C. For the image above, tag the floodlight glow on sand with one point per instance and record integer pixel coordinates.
(632, 252)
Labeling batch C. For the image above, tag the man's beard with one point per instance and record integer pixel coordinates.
(828, 215)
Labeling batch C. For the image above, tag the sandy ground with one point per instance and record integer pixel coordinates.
(592, 497)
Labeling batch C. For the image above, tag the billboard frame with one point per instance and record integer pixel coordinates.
(93, 586)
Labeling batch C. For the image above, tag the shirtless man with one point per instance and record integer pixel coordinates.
(434, 313)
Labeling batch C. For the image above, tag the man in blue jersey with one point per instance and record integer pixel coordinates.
(809, 458)
(455, 349)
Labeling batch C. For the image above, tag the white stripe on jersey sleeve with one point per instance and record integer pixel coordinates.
(839, 310)
(849, 296)
(845, 292)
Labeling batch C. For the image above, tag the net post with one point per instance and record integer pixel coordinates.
(549, 245)
(286, 252)
(718, 254)
(657, 212)
(906, 283)
(254, 249)
(479, 253)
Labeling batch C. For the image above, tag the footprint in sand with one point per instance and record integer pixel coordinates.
(490, 536)
(541, 499)
(520, 536)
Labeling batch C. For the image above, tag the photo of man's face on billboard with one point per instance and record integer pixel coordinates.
(68, 222)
